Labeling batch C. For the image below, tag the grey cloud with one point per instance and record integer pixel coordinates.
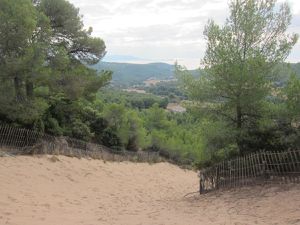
(181, 4)
(181, 38)
(296, 21)
(157, 34)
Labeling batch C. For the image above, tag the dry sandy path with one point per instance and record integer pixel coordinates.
(38, 191)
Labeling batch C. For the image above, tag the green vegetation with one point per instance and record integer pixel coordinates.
(132, 99)
(167, 89)
(128, 74)
(44, 82)
(47, 84)
(246, 98)
(125, 74)
(239, 90)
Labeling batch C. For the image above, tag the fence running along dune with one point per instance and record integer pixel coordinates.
(28, 142)
(258, 168)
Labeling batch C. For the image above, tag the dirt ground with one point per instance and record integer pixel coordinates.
(69, 191)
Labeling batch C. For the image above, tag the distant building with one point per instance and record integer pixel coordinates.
(135, 90)
(174, 107)
(152, 81)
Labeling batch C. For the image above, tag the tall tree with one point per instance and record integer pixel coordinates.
(43, 51)
(239, 62)
(14, 36)
(68, 31)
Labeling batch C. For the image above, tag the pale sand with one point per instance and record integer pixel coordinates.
(39, 191)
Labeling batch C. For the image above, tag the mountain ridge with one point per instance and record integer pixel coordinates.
(130, 74)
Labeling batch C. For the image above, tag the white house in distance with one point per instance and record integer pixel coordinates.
(175, 107)
(152, 81)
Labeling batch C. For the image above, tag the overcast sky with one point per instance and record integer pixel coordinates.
(161, 30)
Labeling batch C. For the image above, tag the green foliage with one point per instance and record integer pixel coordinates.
(111, 139)
(167, 89)
(132, 99)
(296, 69)
(292, 92)
(156, 118)
(67, 30)
(53, 127)
(127, 74)
(23, 112)
(44, 83)
(127, 125)
(130, 74)
(81, 130)
(219, 139)
(241, 75)
(136, 134)
(18, 21)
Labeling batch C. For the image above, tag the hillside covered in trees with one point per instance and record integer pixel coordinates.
(127, 74)
(244, 99)
(130, 74)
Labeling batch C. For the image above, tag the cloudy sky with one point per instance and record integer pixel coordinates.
(160, 30)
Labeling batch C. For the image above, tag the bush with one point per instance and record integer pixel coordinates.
(81, 131)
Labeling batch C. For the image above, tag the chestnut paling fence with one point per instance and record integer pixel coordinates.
(28, 142)
(256, 168)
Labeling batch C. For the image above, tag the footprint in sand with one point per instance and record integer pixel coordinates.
(12, 199)
(48, 206)
(70, 178)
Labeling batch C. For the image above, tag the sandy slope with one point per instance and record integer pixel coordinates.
(39, 191)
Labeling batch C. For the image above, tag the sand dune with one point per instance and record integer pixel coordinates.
(69, 191)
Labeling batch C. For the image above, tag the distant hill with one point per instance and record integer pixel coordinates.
(128, 74)
(122, 58)
(131, 74)
(296, 68)
(285, 70)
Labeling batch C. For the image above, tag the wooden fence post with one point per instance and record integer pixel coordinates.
(201, 183)
(217, 176)
(265, 169)
(230, 173)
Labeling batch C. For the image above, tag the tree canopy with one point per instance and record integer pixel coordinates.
(43, 51)
(240, 65)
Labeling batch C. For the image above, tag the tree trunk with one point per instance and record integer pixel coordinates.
(29, 89)
(238, 116)
(18, 86)
(239, 127)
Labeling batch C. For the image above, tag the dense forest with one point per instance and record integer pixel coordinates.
(244, 99)
(129, 74)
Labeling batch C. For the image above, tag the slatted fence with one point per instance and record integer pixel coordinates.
(28, 142)
(256, 168)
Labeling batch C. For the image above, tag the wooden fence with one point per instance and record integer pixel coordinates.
(28, 142)
(257, 168)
